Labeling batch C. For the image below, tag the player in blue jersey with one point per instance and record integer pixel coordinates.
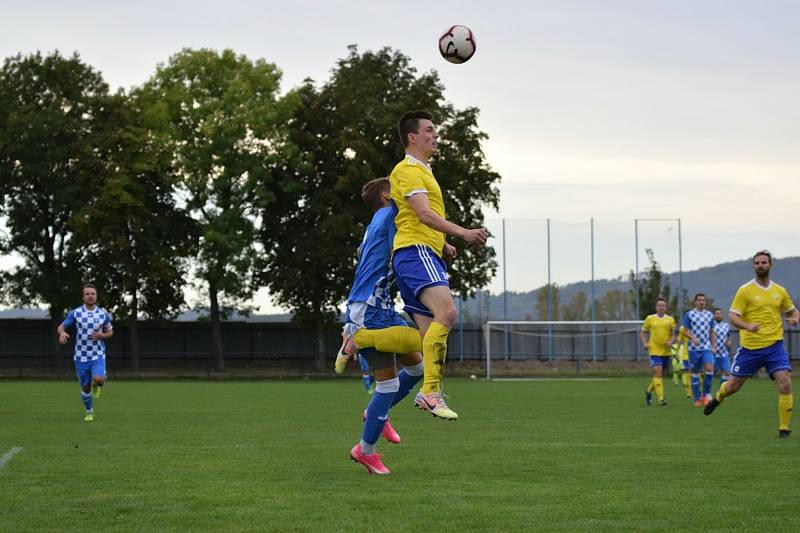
(92, 327)
(370, 309)
(722, 334)
(698, 323)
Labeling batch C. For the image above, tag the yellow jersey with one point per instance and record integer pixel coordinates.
(683, 342)
(409, 177)
(660, 329)
(762, 306)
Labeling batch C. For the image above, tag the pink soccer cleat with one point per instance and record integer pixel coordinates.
(372, 462)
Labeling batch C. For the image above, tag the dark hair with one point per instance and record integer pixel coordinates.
(372, 190)
(662, 299)
(698, 295)
(717, 309)
(763, 252)
(409, 123)
(87, 286)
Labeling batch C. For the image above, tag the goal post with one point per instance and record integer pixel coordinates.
(519, 343)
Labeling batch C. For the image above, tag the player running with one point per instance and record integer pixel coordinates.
(722, 362)
(93, 326)
(756, 311)
(660, 327)
(420, 250)
(697, 323)
(370, 312)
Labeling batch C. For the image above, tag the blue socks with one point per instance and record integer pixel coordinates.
(696, 386)
(377, 413)
(408, 378)
(366, 378)
(87, 400)
(707, 382)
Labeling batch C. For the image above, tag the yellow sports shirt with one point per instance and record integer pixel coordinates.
(409, 177)
(762, 306)
(660, 329)
(683, 341)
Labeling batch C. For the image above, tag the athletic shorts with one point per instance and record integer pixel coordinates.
(659, 360)
(369, 317)
(416, 268)
(773, 357)
(699, 358)
(88, 369)
(722, 363)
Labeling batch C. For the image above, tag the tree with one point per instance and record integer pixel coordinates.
(136, 239)
(345, 134)
(654, 284)
(52, 139)
(615, 305)
(225, 123)
(576, 309)
(542, 304)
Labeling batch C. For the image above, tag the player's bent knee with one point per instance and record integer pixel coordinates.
(99, 380)
(446, 317)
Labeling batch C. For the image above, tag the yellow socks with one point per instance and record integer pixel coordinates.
(722, 393)
(434, 352)
(651, 386)
(785, 402)
(396, 339)
(687, 384)
(658, 385)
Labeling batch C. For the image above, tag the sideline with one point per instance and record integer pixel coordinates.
(550, 379)
(8, 455)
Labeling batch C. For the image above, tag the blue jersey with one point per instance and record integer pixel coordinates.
(373, 276)
(722, 330)
(86, 322)
(699, 323)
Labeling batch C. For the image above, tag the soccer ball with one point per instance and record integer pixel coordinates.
(457, 44)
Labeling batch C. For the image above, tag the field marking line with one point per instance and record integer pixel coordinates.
(551, 379)
(8, 455)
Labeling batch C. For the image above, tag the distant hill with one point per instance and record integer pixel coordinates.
(39, 314)
(720, 282)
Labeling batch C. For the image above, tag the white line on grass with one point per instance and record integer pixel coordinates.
(8, 455)
(551, 379)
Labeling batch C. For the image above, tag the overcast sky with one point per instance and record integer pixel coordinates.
(604, 109)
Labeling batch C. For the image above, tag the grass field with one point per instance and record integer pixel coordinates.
(273, 455)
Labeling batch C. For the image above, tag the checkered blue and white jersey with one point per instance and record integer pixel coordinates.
(722, 330)
(85, 323)
(374, 277)
(699, 323)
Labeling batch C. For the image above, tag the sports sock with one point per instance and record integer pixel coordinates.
(396, 339)
(708, 381)
(687, 384)
(722, 393)
(87, 400)
(722, 379)
(696, 386)
(377, 413)
(366, 378)
(658, 385)
(408, 378)
(434, 352)
(785, 402)
(651, 386)
(675, 378)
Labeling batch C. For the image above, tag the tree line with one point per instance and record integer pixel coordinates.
(208, 176)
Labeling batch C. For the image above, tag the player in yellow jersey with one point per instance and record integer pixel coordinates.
(756, 310)
(420, 249)
(660, 327)
(683, 357)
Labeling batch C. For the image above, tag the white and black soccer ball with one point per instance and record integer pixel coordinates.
(457, 44)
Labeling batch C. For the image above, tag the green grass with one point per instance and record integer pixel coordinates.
(273, 455)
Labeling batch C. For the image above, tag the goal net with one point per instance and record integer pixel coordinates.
(516, 347)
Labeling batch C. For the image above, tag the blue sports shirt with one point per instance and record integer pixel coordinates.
(699, 323)
(373, 276)
(722, 330)
(85, 323)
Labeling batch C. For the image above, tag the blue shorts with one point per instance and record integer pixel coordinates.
(88, 369)
(659, 360)
(773, 357)
(722, 363)
(416, 268)
(686, 366)
(699, 358)
(370, 317)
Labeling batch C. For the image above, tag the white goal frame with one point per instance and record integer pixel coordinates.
(497, 324)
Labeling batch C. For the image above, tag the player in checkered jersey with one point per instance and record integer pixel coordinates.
(722, 362)
(698, 323)
(92, 327)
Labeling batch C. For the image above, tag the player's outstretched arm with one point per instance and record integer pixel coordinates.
(421, 206)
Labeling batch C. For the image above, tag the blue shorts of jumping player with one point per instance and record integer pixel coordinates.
(370, 317)
(699, 358)
(88, 369)
(722, 363)
(416, 268)
(662, 361)
(773, 357)
(686, 366)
